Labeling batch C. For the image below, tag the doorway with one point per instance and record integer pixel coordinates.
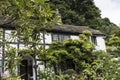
(26, 68)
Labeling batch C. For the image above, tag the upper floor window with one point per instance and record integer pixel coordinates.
(94, 40)
(60, 37)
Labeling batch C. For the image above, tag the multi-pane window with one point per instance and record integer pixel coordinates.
(55, 37)
(94, 40)
(60, 37)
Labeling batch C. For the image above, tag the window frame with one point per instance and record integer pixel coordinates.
(60, 37)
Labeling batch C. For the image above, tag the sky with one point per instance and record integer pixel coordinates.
(109, 9)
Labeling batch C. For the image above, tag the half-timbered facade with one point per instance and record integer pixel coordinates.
(59, 33)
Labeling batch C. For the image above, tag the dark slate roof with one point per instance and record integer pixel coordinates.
(8, 26)
(69, 29)
(7, 22)
(73, 29)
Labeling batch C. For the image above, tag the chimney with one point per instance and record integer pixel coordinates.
(58, 15)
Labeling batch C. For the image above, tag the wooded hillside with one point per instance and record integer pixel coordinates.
(83, 12)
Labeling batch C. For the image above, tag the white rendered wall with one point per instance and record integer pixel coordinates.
(100, 43)
(9, 36)
(48, 38)
(74, 37)
(41, 37)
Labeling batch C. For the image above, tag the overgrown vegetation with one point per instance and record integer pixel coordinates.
(113, 44)
(78, 59)
(26, 18)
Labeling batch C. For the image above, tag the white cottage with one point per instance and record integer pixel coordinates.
(57, 32)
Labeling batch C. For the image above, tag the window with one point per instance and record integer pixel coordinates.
(55, 37)
(66, 37)
(59, 37)
(93, 39)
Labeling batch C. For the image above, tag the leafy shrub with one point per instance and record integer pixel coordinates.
(13, 78)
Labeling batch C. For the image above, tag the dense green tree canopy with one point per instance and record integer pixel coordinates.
(83, 12)
(113, 44)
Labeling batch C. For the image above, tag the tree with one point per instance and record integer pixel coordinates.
(113, 43)
(83, 13)
(29, 15)
(26, 17)
(70, 54)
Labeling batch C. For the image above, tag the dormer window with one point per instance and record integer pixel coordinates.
(60, 37)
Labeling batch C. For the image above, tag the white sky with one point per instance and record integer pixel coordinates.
(110, 9)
